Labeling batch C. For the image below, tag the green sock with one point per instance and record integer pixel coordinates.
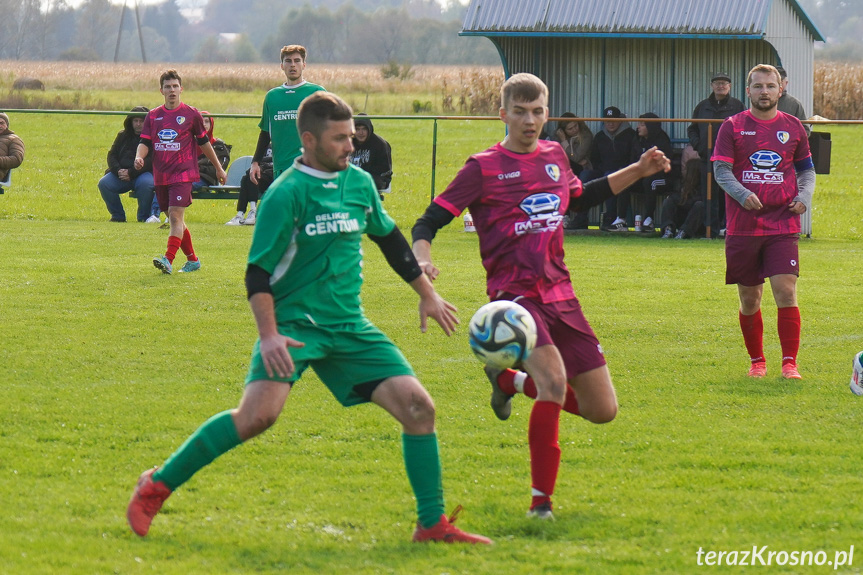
(422, 462)
(216, 436)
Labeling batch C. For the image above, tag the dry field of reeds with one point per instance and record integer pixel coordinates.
(473, 90)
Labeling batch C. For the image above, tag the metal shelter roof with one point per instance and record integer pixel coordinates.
(626, 18)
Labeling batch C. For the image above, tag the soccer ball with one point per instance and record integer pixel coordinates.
(857, 374)
(502, 334)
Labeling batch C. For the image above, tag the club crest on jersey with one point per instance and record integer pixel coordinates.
(181, 120)
(553, 171)
(783, 137)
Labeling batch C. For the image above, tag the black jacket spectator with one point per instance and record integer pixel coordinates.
(121, 156)
(710, 109)
(373, 155)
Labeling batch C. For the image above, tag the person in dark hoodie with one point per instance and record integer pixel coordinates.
(223, 151)
(372, 153)
(612, 151)
(651, 134)
(121, 175)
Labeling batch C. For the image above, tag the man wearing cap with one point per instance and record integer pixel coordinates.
(789, 104)
(720, 104)
(611, 151)
(11, 148)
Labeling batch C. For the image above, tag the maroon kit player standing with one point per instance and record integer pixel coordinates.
(763, 163)
(172, 130)
(518, 192)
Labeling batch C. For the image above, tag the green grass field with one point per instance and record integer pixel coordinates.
(97, 388)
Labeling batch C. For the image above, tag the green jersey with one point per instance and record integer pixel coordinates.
(279, 118)
(307, 237)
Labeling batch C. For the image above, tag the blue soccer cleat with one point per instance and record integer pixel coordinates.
(190, 266)
(163, 264)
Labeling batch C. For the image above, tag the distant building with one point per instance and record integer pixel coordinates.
(646, 55)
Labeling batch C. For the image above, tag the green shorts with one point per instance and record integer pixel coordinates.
(351, 360)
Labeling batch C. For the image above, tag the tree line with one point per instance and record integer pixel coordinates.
(361, 32)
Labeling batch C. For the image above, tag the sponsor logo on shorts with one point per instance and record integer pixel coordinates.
(179, 198)
(793, 263)
(599, 349)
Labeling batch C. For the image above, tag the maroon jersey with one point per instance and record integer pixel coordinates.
(173, 134)
(765, 156)
(517, 202)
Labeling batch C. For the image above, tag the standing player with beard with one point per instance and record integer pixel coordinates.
(172, 130)
(303, 280)
(518, 192)
(763, 163)
(279, 116)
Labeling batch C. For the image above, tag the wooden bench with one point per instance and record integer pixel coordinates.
(230, 190)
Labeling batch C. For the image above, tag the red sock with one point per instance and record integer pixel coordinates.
(506, 381)
(186, 246)
(752, 327)
(542, 435)
(173, 246)
(788, 323)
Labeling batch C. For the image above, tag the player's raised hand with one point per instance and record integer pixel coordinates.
(443, 312)
(654, 160)
(277, 359)
(429, 269)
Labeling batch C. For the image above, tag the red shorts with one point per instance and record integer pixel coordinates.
(177, 194)
(562, 324)
(750, 259)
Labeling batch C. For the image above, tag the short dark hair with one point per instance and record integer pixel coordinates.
(319, 109)
(522, 88)
(169, 75)
(293, 48)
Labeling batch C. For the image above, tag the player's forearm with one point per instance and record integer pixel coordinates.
(724, 175)
(263, 308)
(142, 151)
(805, 188)
(422, 251)
(423, 287)
(625, 177)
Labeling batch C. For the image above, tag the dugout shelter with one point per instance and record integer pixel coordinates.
(647, 55)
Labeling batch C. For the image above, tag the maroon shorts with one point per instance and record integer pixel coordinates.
(562, 324)
(178, 194)
(750, 259)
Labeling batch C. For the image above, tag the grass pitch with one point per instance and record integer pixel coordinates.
(110, 365)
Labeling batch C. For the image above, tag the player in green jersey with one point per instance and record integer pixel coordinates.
(279, 117)
(303, 281)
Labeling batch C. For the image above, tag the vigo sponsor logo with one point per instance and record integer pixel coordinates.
(509, 176)
(543, 215)
(746, 133)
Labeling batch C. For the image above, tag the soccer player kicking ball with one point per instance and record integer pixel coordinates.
(172, 130)
(518, 192)
(763, 163)
(303, 279)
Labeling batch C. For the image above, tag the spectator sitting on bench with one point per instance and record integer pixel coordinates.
(11, 148)
(251, 193)
(650, 134)
(223, 152)
(373, 154)
(612, 151)
(121, 175)
(683, 211)
(576, 139)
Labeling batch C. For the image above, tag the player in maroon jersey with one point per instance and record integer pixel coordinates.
(763, 163)
(518, 192)
(171, 131)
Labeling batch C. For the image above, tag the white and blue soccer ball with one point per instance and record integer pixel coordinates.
(502, 334)
(857, 374)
